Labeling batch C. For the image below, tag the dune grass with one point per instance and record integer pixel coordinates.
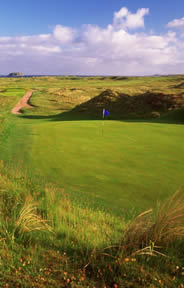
(47, 239)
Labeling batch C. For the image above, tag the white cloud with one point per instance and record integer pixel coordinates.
(176, 23)
(116, 49)
(125, 19)
(40, 48)
(123, 12)
(5, 39)
(64, 34)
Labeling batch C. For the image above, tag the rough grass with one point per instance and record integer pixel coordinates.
(162, 228)
(84, 247)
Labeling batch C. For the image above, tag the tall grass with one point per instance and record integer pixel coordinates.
(79, 226)
(29, 220)
(88, 248)
(162, 227)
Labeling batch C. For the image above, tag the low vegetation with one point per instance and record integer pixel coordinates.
(87, 204)
(46, 239)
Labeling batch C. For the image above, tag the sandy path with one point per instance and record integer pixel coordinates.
(23, 103)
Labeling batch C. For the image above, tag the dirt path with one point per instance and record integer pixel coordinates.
(24, 102)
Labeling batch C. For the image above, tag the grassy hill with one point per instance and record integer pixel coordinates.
(147, 105)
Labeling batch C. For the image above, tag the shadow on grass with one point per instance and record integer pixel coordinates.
(64, 116)
(174, 117)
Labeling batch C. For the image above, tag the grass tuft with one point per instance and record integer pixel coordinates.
(161, 228)
(29, 220)
(169, 220)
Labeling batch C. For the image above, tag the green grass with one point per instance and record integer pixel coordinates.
(119, 166)
(47, 239)
(127, 165)
(87, 180)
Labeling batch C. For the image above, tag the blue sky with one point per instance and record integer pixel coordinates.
(23, 17)
(112, 37)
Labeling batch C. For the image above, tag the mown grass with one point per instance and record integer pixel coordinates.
(68, 209)
(119, 166)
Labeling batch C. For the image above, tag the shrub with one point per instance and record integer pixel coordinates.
(155, 114)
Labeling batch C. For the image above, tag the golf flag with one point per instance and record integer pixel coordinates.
(105, 113)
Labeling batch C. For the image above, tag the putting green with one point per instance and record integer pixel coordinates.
(121, 165)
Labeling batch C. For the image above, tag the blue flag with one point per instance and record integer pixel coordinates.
(105, 112)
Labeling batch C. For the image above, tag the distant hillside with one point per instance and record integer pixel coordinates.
(16, 74)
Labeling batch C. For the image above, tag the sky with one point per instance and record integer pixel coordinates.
(98, 37)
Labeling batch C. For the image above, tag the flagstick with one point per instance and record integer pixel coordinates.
(103, 121)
